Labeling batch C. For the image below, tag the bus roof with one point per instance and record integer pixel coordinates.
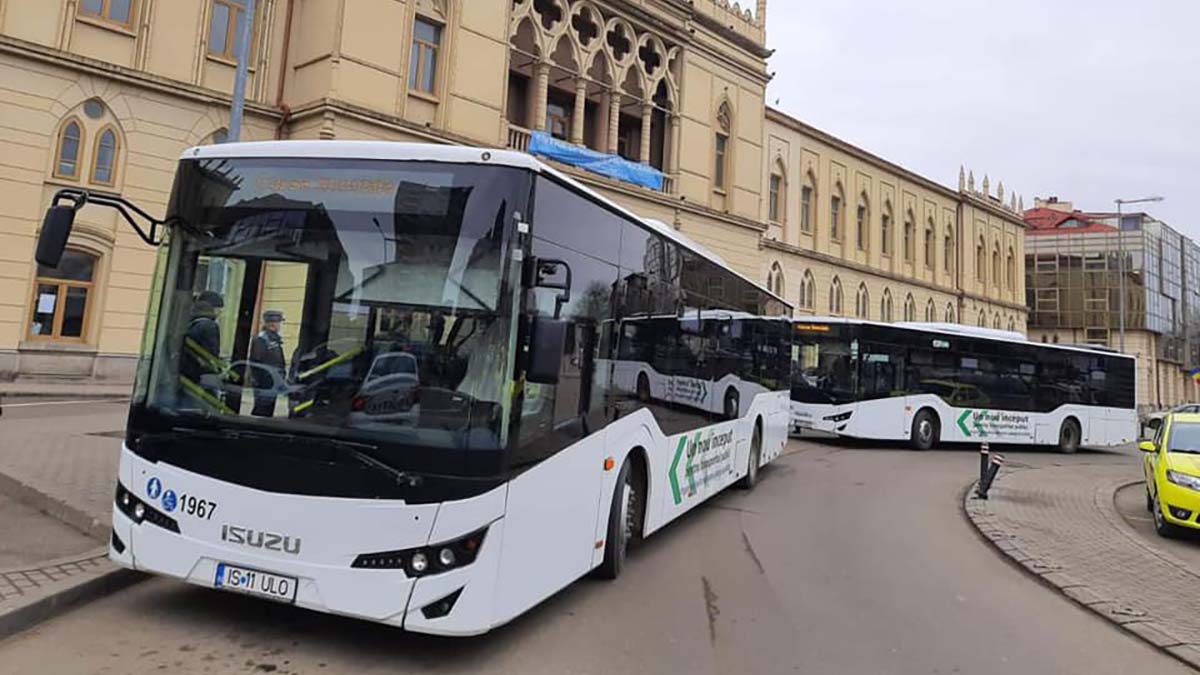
(962, 331)
(455, 154)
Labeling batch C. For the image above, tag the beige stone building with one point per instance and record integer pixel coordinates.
(105, 94)
(852, 234)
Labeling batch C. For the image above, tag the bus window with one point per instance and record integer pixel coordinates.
(883, 371)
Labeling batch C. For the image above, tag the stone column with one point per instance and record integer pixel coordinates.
(577, 118)
(673, 150)
(614, 120)
(540, 89)
(647, 115)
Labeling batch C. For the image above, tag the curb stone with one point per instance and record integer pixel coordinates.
(55, 508)
(1130, 619)
(32, 608)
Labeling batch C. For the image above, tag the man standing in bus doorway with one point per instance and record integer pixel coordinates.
(266, 352)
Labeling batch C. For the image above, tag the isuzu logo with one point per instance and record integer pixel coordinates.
(270, 541)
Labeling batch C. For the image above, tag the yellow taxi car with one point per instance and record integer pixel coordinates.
(1172, 469)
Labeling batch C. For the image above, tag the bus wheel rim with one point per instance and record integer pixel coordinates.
(627, 498)
(925, 429)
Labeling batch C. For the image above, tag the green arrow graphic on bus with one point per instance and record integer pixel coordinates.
(673, 474)
(962, 423)
(979, 425)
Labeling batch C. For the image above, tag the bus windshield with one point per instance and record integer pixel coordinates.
(357, 300)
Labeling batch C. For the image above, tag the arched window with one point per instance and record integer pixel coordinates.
(1010, 269)
(777, 198)
(862, 303)
(808, 202)
(836, 201)
(931, 311)
(104, 158)
(775, 280)
(996, 278)
(910, 227)
(982, 319)
(949, 315)
(910, 308)
(929, 250)
(219, 136)
(885, 229)
(981, 260)
(808, 291)
(885, 306)
(948, 251)
(721, 146)
(70, 144)
(862, 221)
(996, 321)
(61, 298)
(1012, 324)
(835, 297)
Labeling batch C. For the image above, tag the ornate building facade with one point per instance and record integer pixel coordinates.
(105, 94)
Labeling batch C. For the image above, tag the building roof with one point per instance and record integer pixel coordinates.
(1051, 221)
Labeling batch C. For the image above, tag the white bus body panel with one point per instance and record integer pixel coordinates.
(546, 527)
(891, 419)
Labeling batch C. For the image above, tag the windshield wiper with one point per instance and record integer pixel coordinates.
(359, 452)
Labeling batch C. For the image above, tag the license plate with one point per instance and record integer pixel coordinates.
(255, 582)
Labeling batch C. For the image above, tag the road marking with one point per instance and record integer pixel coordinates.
(41, 403)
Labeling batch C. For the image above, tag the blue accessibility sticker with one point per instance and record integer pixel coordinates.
(169, 501)
(154, 488)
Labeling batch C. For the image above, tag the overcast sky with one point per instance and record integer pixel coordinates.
(1089, 100)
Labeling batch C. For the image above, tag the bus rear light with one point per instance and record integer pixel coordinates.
(139, 511)
(418, 562)
(358, 403)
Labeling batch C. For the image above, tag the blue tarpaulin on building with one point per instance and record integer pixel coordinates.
(613, 166)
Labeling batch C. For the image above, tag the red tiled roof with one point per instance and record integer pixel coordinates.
(1051, 221)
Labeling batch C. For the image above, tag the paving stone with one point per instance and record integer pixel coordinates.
(1152, 633)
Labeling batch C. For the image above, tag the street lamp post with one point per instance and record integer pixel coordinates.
(1121, 261)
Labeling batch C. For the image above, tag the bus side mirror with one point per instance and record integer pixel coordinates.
(56, 229)
(547, 339)
(541, 273)
(1147, 446)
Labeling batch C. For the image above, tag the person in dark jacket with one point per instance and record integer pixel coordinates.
(266, 351)
(202, 346)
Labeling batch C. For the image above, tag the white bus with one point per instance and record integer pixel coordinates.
(715, 361)
(927, 383)
(437, 444)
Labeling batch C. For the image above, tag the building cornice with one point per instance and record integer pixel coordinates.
(139, 78)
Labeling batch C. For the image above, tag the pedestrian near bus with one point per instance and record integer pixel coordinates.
(266, 352)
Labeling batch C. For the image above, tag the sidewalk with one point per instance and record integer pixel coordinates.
(65, 468)
(1061, 525)
(83, 389)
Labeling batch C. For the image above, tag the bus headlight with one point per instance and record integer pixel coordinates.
(1184, 479)
(426, 560)
(140, 512)
(840, 417)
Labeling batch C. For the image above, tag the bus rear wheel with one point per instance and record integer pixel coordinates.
(925, 430)
(751, 478)
(732, 404)
(1068, 437)
(624, 522)
(643, 388)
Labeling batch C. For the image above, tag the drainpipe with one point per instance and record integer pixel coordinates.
(284, 109)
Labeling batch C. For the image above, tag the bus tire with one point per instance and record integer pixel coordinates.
(926, 430)
(1069, 436)
(733, 404)
(623, 522)
(751, 478)
(643, 388)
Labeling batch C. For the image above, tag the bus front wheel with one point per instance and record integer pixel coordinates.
(643, 388)
(1069, 436)
(925, 430)
(624, 521)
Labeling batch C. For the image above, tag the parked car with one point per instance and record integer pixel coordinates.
(1152, 421)
(1171, 465)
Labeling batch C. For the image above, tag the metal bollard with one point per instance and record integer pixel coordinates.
(984, 460)
(993, 469)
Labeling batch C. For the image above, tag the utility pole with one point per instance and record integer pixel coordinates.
(245, 33)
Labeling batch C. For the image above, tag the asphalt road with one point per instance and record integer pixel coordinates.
(845, 560)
